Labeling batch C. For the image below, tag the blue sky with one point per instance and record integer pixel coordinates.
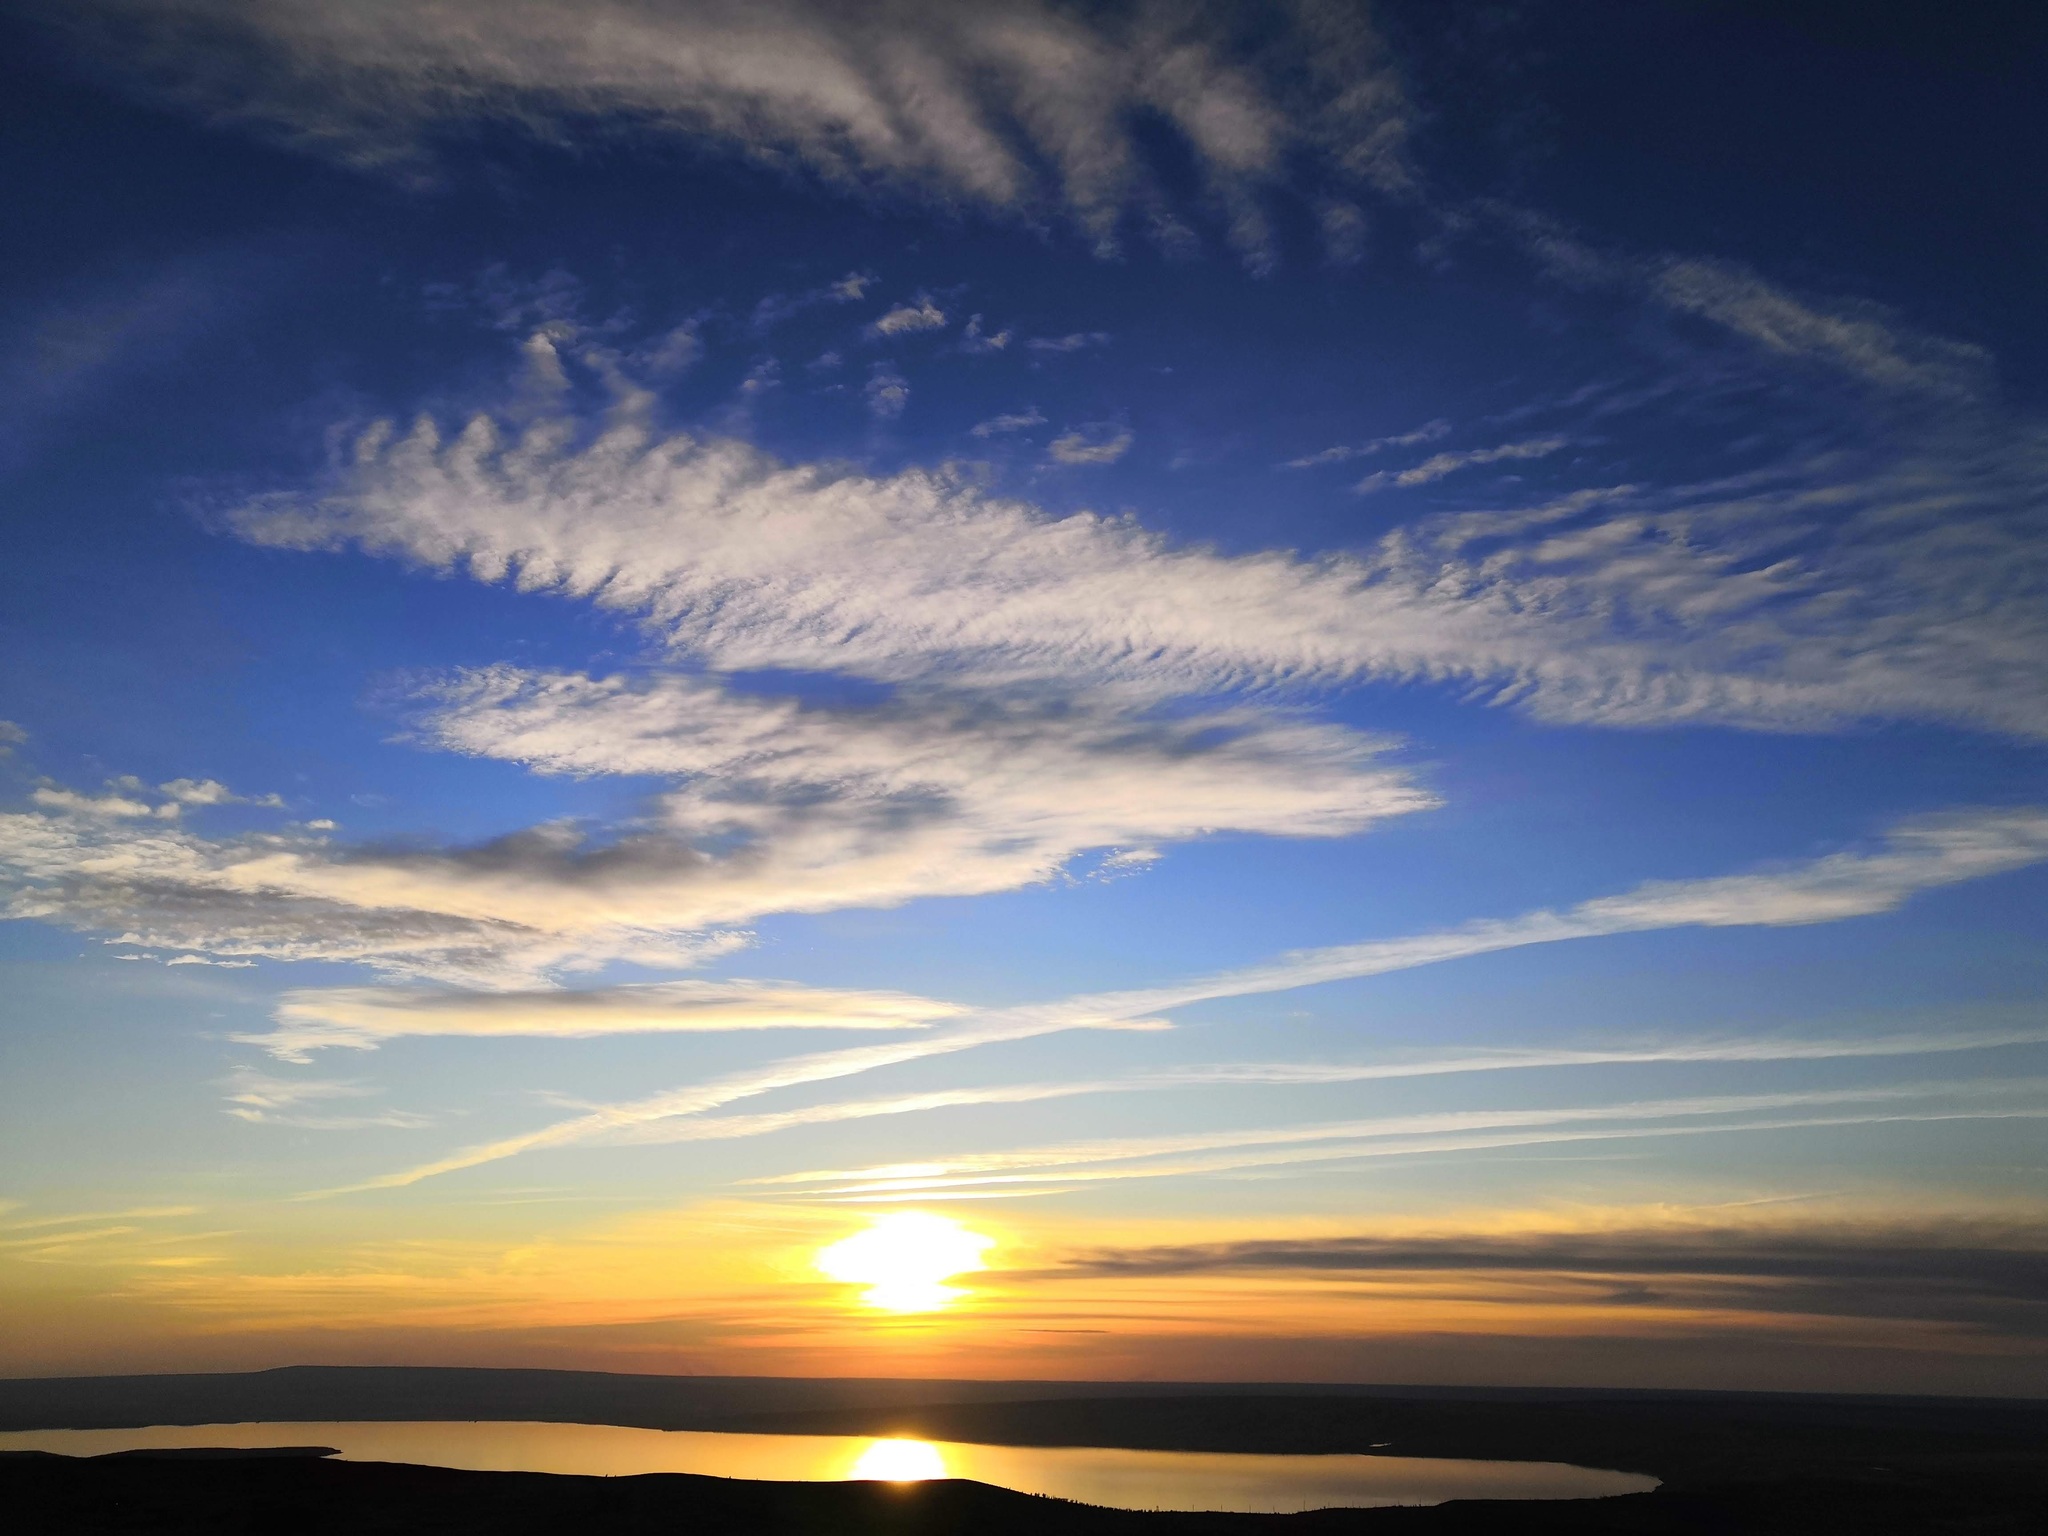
(639, 631)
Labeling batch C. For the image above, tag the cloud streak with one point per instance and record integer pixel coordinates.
(263, 1100)
(319, 1018)
(1100, 444)
(1027, 110)
(1442, 464)
(1987, 1273)
(1916, 857)
(1299, 1074)
(1210, 1152)
(1429, 432)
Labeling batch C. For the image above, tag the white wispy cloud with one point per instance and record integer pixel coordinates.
(1916, 857)
(204, 792)
(1803, 596)
(87, 1218)
(611, 1120)
(1075, 342)
(318, 1018)
(1206, 1152)
(11, 736)
(1853, 337)
(70, 802)
(1312, 1073)
(1429, 432)
(1861, 339)
(919, 315)
(775, 308)
(1920, 855)
(1442, 464)
(887, 393)
(264, 1100)
(1101, 443)
(1027, 108)
(123, 799)
(974, 339)
(1012, 421)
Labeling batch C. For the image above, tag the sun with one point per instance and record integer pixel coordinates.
(899, 1461)
(904, 1260)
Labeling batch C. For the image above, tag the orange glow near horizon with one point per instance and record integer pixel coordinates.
(904, 1260)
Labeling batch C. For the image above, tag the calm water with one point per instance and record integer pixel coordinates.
(1120, 1479)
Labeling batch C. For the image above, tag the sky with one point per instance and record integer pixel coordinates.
(1293, 691)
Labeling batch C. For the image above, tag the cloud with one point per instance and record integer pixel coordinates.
(887, 392)
(974, 339)
(319, 1018)
(778, 307)
(11, 736)
(82, 1218)
(1198, 1153)
(1859, 339)
(1297, 1074)
(773, 806)
(71, 803)
(1990, 1273)
(1345, 231)
(201, 792)
(294, 896)
(1026, 109)
(1444, 464)
(1911, 583)
(1803, 596)
(620, 1120)
(1097, 444)
(1429, 432)
(1014, 421)
(1077, 342)
(1855, 338)
(98, 330)
(264, 1100)
(904, 319)
(1918, 856)
(123, 798)
(935, 791)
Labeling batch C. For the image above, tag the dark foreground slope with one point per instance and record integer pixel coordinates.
(168, 1495)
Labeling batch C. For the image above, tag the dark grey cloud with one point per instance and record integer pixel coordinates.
(1990, 1274)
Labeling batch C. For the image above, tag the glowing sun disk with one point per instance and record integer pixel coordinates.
(899, 1461)
(904, 1260)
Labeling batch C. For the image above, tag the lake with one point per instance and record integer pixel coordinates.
(1175, 1480)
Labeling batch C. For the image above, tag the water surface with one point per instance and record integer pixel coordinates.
(1177, 1480)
